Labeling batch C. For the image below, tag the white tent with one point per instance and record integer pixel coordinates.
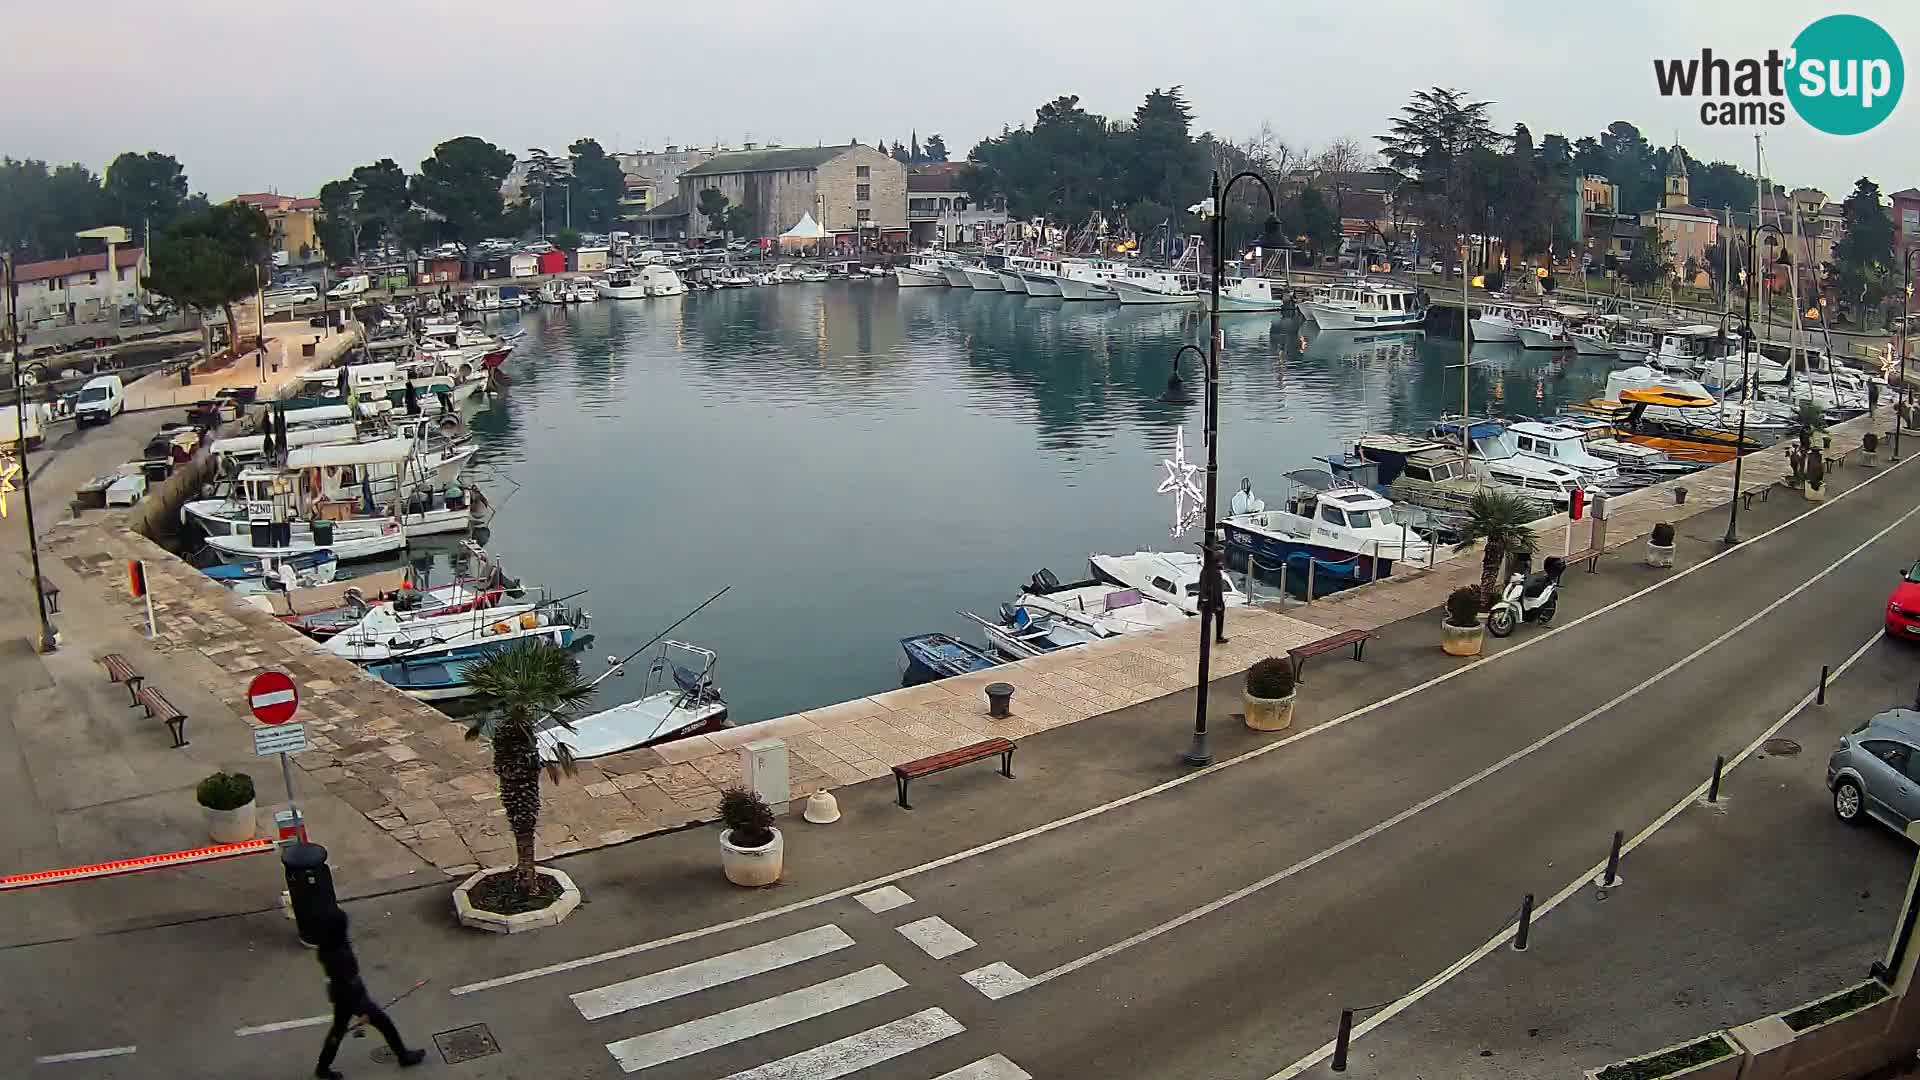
(804, 230)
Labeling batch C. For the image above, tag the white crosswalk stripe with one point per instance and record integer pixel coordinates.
(713, 971)
(996, 1067)
(856, 1052)
(760, 1017)
(936, 937)
(885, 898)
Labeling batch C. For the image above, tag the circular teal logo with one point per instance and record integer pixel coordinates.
(1846, 75)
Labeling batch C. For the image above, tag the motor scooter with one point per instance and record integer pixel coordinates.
(1528, 597)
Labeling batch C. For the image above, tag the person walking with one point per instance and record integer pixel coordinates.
(350, 999)
(1213, 601)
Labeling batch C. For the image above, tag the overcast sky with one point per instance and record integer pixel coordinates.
(254, 96)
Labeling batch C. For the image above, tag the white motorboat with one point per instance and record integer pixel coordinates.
(813, 275)
(1565, 447)
(553, 291)
(1351, 531)
(1142, 286)
(620, 284)
(1543, 329)
(1088, 279)
(1021, 633)
(1683, 349)
(580, 290)
(385, 633)
(678, 698)
(301, 539)
(1010, 279)
(985, 279)
(1167, 577)
(1038, 276)
(658, 280)
(1673, 400)
(1499, 320)
(1492, 455)
(1596, 336)
(956, 275)
(1365, 305)
(1256, 294)
(1096, 606)
(926, 268)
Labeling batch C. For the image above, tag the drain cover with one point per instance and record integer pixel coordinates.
(1781, 747)
(465, 1044)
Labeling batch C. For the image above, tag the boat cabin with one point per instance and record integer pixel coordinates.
(1562, 446)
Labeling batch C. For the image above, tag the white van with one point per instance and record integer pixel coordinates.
(352, 286)
(101, 399)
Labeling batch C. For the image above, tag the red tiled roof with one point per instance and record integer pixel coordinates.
(1910, 193)
(79, 264)
(267, 200)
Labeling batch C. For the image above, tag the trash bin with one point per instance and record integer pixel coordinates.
(309, 888)
(322, 533)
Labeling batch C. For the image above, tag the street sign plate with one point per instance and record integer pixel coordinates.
(273, 697)
(280, 739)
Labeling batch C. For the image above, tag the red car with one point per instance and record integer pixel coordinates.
(1903, 607)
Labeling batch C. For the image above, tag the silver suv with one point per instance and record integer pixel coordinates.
(1875, 771)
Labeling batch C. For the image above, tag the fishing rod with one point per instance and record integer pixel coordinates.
(622, 663)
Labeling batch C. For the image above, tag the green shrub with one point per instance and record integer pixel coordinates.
(1838, 1005)
(1712, 1048)
(747, 816)
(1463, 607)
(1270, 678)
(1663, 534)
(225, 791)
(1870, 442)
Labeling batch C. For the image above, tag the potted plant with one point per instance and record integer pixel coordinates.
(1660, 545)
(227, 799)
(1269, 695)
(1502, 520)
(751, 848)
(1870, 450)
(1460, 632)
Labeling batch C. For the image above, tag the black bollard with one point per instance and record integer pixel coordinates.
(1820, 696)
(1613, 863)
(309, 887)
(1526, 923)
(1713, 789)
(1340, 1040)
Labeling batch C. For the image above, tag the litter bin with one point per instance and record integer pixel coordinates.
(309, 888)
(322, 532)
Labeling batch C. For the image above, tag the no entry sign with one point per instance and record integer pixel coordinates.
(273, 697)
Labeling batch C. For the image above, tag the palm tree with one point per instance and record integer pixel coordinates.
(529, 682)
(1500, 518)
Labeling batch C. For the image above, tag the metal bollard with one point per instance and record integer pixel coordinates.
(1820, 696)
(1526, 923)
(1713, 789)
(1340, 1040)
(1613, 863)
(1310, 564)
(309, 888)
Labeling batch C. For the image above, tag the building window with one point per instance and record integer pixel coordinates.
(863, 171)
(946, 204)
(862, 192)
(865, 215)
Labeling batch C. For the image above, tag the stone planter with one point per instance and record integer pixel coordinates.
(1721, 1068)
(1269, 714)
(1845, 1045)
(230, 826)
(752, 867)
(1660, 555)
(1462, 640)
(1814, 494)
(1869, 459)
(495, 922)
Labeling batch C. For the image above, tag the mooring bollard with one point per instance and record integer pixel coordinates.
(1820, 696)
(1340, 1041)
(1311, 561)
(1713, 789)
(1526, 923)
(1613, 863)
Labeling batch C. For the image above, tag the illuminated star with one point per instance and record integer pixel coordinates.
(1179, 480)
(9, 471)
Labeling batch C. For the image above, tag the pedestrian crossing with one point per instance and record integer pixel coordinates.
(805, 1012)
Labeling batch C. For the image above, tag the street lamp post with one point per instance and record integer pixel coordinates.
(1906, 327)
(1746, 353)
(1211, 562)
(47, 641)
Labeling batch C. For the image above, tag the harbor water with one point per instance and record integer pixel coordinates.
(861, 462)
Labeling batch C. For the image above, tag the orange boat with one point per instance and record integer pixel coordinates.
(1680, 440)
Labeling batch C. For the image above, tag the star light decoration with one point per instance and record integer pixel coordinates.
(1187, 497)
(9, 472)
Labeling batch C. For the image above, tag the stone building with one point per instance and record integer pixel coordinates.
(1688, 230)
(851, 190)
(653, 176)
(294, 227)
(79, 289)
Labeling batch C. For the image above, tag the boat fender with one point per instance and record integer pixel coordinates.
(498, 628)
(529, 621)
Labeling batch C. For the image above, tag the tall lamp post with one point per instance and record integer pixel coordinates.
(1906, 328)
(1746, 353)
(1211, 560)
(47, 641)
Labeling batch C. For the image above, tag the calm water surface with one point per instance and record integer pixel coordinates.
(860, 462)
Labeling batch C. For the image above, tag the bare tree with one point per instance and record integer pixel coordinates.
(1334, 167)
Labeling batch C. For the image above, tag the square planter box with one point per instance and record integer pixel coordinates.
(1842, 1045)
(1722, 1068)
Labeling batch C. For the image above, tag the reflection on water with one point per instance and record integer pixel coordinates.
(859, 461)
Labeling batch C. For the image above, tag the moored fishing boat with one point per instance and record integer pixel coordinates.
(939, 656)
(678, 698)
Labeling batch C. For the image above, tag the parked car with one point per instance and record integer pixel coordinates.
(1903, 606)
(101, 399)
(1872, 773)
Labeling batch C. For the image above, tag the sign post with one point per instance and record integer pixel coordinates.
(274, 700)
(137, 584)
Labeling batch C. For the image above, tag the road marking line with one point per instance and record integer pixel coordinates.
(856, 1052)
(884, 899)
(758, 1018)
(285, 1025)
(997, 980)
(1580, 882)
(713, 971)
(85, 1055)
(936, 937)
(875, 884)
(1450, 791)
(996, 1067)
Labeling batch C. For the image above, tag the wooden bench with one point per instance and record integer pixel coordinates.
(158, 706)
(1299, 654)
(985, 748)
(1746, 497)
(119, 671)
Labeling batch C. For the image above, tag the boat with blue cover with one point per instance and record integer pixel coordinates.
(937, 656)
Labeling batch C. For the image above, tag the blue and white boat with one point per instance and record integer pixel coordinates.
(442, 677)
(386, 635)
(937, 656)
(1350, 530)
(678, 698)
(1366, 305)
(315, 567)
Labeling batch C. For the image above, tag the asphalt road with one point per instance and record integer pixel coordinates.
(1210, 927)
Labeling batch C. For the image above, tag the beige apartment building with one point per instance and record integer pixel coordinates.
(851, 191)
